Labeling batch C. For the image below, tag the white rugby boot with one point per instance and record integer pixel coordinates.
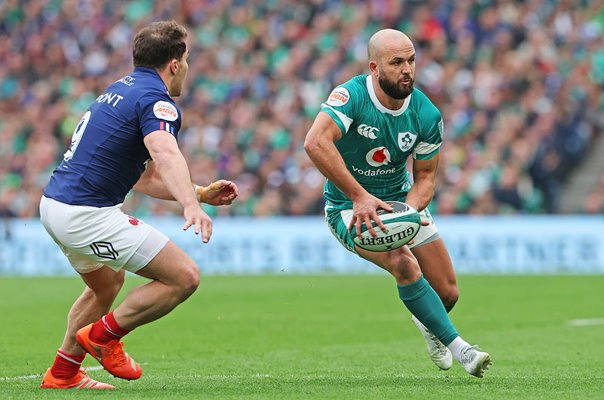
(439, 353)
(474, 361)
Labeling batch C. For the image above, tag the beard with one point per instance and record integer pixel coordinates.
(393, 90)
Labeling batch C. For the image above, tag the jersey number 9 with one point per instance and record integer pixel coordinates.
(77, 136)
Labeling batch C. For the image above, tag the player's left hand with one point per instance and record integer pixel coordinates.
(218, 193)
(423, 222)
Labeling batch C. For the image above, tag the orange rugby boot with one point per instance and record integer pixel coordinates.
(79, 381)
(111, 355)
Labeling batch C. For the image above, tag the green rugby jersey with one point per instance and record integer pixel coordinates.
(376, 141)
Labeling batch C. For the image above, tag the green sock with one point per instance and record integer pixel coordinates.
(424, 303)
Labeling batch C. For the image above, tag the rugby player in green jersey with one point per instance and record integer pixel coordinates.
(360, 141)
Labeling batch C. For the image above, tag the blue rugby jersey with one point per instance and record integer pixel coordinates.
(107, 154)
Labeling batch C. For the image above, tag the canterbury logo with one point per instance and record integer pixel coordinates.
(367, 131)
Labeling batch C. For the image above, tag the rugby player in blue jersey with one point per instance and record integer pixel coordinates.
(127, 139)
(361, 140)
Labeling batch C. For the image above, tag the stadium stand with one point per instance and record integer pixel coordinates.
(519, 84)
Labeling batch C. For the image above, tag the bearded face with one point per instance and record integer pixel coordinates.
(397, 89)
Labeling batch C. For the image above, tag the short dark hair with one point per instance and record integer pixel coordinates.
(158, 43)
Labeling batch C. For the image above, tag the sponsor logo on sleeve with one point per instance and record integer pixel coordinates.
(165, 110)
(338, 97)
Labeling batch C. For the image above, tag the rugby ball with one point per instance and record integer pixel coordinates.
(403, 223)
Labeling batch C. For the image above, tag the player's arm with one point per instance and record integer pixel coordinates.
(424, 182)
(320, 147)
(174, 173)
(221, 192)
(151, 184)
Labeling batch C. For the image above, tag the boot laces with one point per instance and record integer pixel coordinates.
(117, 352)
(469, 354)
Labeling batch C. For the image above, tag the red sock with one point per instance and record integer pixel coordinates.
(106, 329)
(66, 365)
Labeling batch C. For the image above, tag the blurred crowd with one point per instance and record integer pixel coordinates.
(519, 84)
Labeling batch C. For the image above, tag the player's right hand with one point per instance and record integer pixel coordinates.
(364, 211)
(195, 216)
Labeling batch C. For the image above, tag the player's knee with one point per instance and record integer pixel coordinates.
(404, 268)
(107, 293)
(189, 280)
(450, 297)
(118, 282)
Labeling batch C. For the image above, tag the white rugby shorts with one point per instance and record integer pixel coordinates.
(428, 233)
(339, 219)
(91, 237)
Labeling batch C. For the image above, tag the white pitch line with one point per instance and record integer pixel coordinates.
(319, 377)
(37, 376)
(228, 377)
(19, 378)
(586, 322)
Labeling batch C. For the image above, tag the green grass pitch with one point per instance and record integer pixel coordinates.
(323, 337)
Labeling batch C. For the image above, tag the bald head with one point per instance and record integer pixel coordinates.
(392, 65)
(387, 41)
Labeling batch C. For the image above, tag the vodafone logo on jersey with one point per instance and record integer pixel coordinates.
(378, 157)
(165, 110)
(338, 97)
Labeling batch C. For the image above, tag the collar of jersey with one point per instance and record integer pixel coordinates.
(379, 105)
(151, 71)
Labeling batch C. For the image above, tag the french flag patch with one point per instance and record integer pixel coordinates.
(165, 126)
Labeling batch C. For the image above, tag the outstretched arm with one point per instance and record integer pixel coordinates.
(172, 169)
(221, 192)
